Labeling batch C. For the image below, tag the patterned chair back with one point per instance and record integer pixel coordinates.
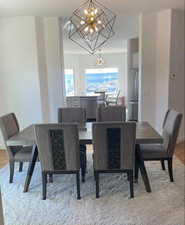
(171, 128)
(9, 127)
(72, 115)
(111, 114)
(114, 145)
(58, 147)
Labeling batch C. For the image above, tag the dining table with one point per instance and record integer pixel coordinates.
(145, 134)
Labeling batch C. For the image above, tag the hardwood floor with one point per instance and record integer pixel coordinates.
(3, 158)
(179, 152)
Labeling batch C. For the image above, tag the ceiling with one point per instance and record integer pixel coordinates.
(127, 14)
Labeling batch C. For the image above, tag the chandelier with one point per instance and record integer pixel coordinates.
(91, 25)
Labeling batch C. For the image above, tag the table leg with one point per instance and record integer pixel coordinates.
(83, 161)
(31, 168)
(142, 168)
(136, 172)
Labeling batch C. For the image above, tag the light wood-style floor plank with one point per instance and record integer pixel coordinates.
(3, 158)
(180, 152)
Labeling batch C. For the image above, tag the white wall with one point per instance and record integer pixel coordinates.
(177, 66)
(19, 83)
(80, 62)
(161, 56)
(162, 65)
(31, 69)
(42, 68)
(147, 58)
(54, 62)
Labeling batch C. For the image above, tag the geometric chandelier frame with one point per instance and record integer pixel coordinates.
(91, 25)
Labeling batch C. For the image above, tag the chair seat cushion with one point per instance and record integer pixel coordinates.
(153, 151)
(24, 155)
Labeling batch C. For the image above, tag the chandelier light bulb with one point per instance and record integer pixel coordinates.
(86, 29)
(96, 28)
(99, 22)
(91, 30)
(86, 12)
(82, 22)
(96, 11)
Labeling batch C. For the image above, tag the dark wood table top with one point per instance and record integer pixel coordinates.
(145, 134)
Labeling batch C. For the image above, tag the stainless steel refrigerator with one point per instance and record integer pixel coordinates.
(133, 100)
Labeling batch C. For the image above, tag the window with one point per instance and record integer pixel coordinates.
(101, 80)
(69, 82)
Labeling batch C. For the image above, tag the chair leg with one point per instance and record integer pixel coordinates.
(11, 172)
(162, 164)
(44, 185)
(170, 169)
(97, 184)
(20, 166)
(83, 161)
(131, 183)
(128, 176)
(78, 185)
(50, 178)
(31, 168)
(142, 168)
(136, 171)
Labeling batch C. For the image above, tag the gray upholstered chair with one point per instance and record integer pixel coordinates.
(70, 115)
(9, 127)
(111, 113)
(75, 115)
(114, 150)
(165, 151)
(59, 152)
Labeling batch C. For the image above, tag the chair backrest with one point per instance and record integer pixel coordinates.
(117, 97)
(9, 127)
(58, 147)
(111, 113)
(71, 115)
(171, 128)
(114, 145)
(165, 118)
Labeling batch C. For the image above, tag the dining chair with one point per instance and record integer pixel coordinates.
(72, 114)
(9, 127)
(114, 150)
(111, 113)
(164, 152)
(75, 115)
(101, 99)
(59, 153)
(113, 100)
